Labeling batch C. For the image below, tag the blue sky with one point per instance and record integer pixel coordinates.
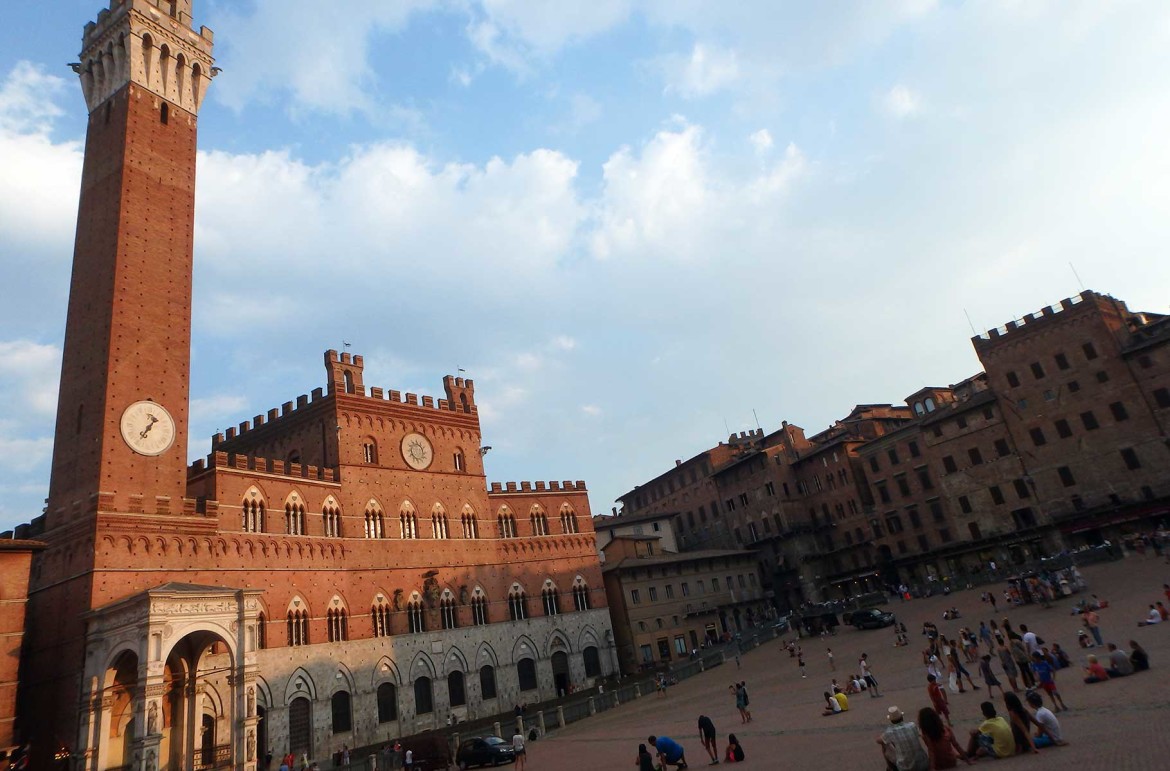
(633, 223)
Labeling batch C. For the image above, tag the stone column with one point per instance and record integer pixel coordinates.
(592, 707)
(496, 728)
(540, 721)
(560, 717)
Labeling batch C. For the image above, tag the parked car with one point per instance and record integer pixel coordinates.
(428, 751)
(484, 751)
(870, 618)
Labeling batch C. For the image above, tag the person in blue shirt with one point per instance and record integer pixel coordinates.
(1046, 674)
(669, 751)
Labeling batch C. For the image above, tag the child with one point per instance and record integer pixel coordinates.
(989, 677)
(938, 698)
(1046, 674)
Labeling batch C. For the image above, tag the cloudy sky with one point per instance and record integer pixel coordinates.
(633, 223)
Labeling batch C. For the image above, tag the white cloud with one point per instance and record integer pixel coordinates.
(706, 71)
(543, 28)
(564, 343)
(592, 410)
(29, 374)
(762, 141)
(901, 102)
(263, 60)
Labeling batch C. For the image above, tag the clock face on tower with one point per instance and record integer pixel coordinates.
(148, 428)
(416, 451)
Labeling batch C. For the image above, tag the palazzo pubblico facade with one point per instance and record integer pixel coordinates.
(336, 572)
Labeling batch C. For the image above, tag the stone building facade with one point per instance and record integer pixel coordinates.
(336, 572)
(666, 605)
(1061, 441)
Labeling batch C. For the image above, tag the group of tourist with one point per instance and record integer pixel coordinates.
(668, 752)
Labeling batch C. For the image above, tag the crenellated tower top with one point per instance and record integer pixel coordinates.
(152, 44)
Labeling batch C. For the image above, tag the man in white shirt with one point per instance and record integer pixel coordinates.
(1048, 732)
(1030, 639)
(867, 675)
(518, 747)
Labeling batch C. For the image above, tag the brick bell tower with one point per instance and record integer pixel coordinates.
(120, 451)
(122, 415)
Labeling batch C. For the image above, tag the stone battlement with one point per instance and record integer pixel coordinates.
(537, 487)
(241, 462)
(1031, 319)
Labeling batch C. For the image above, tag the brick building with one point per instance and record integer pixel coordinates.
(1061, 441)
(666, 604)
(336, 572)
(15, 564)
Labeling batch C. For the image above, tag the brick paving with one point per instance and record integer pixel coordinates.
(1117, 725)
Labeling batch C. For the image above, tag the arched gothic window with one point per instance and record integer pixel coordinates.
(261, 632)
(331, 518)
(507, 524)
(479, 610)
(539, 522)
(294, 518)
(387, 703)
(448, 612)
(380, 617)
(439, 524)
(460, 465)
(470, 523)
(517, 605)
(369, 451)
(415, 617)
(338, 624)
(568, 520)
(342, 713)
(298, 627)
(253, 515)
(487, 682)
(375, 524)
(580, 596)
(408, 521)
(552, 602)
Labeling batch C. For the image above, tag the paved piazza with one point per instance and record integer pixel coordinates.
(1121, 724)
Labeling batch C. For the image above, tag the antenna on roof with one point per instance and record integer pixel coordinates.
(1077, 276)
(726, 427)
(757, 417)
(345, 345)
(970, 323)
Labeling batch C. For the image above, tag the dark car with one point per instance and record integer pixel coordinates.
(428, 751)
(870, 618)
(484, 751)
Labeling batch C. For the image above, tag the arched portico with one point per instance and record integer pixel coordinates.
(172, 682)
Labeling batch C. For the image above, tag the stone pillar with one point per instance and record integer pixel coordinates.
(616, 700)
(592, 707)
(560, 717)
(519, 724)
(637, 690)
(702, 666)
(496, 728)
(540, 721)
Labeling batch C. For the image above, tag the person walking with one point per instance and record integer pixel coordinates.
(800, 663)
(989, 678)
(938, 697)
(519, 749)
(1046, 675)
(829, 653)
(1009, 666)
(867, 675)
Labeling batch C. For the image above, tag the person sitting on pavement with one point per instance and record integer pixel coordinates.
(1139, 657)
(1094, 672)
(734, 752)
(832, 706)
(670, 752)
(941, 745)
(1119, 663)
(993, 737)
(644, 761)
(901, 745)
(1021, 721)
(1048, 731)
(1153, 617)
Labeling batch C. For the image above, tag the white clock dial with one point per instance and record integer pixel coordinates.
(416, 451)
(148, 428)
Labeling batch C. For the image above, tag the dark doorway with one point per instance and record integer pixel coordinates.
(560, 668)
(300, 735)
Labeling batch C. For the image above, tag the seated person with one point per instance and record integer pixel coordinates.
(1153, 617)
(1120, 665)
(993, 737)
(842, 700)
(1047, 726)
(852, 686)
(1060, 656)
(734, 752)
(1139, 657)
(832, 706)
(1094, 672)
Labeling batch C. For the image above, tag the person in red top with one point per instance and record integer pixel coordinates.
(1095, 673)
(941, 745)
(938, 697)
